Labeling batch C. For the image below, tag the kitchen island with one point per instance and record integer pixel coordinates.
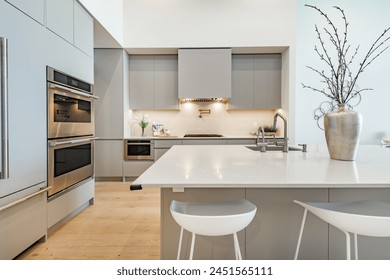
(271, 180)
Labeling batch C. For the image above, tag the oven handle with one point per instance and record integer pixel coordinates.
(24, 199)
(140, 144)
(74, 91)
(54, 144)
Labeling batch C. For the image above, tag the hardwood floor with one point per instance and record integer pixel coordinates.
(122, 224)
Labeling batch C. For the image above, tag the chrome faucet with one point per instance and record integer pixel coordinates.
(285, 141)
(261, 144)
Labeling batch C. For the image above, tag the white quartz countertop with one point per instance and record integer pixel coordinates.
(231, 166)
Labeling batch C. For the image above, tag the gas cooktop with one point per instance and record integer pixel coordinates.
(203, 135)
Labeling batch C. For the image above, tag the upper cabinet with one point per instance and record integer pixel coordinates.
(205, 73)
(256, 81)
(33, 8)
(153, 82)
(60, 18)
(83, 29)
(69, 20)
(69, 38)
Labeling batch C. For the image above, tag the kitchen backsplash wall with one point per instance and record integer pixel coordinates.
(187, 120)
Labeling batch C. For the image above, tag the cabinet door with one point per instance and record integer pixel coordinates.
(109, 88)
(141, 82)
(83, 29)
(59, 15)
(249, 141)
(267, 93)
(33, 8)
(134, 168)
(243, 82)
(108, 158)
(204, 142)
(165, 86)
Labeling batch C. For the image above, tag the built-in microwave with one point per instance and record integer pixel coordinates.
(139, 149)
(70, 106)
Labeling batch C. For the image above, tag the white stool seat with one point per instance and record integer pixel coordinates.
(369, 218)
(213, 219)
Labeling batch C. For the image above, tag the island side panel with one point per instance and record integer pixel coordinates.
(370, 248)
(273, 234)
(220, 247)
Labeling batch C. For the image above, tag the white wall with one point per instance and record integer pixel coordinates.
(208, 23)
(109, 14)
(367, 20)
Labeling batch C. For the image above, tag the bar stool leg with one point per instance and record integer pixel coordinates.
(348, 245)
(237, 247)
(356, 247)
(192, 246)
(300, 234)
(180, 240)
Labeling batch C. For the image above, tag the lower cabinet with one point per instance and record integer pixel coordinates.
(22, 225)
(162, 146)
(70, 203)
(205, 142)
(134, 168)
(108, 158)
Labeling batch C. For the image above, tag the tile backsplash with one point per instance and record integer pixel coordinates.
(187, 120)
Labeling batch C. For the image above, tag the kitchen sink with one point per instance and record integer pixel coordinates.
(273, 148)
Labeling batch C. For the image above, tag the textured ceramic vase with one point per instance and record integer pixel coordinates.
(342, 133)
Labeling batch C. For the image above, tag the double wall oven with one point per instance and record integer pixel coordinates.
(70, 110)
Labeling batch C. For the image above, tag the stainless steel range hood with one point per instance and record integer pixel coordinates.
(205, 75)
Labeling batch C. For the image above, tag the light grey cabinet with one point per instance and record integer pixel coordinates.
(111, 86)
(165, 79)
(141, 81)
(205, 73)
(33, 8)
(27, 138)
(243, 80)
(256, 81)
(162, 146)
(59, 19)
(268, 81)
(247, 141)
(110, 82)
(83, 29)
(205, 142)
(108, 158)
(153, 82)
(134, 168)
(69, 39)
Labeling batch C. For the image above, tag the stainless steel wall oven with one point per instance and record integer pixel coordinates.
(70, 106)
(70, 109)
(71, 160)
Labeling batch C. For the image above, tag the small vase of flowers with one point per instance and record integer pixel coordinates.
(143, 123)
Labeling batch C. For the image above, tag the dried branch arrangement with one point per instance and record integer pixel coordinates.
(339, 79)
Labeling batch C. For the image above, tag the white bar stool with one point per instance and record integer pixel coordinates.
(212, 219)
(369, 218)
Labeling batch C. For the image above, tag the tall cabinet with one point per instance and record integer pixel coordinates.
(111, 86)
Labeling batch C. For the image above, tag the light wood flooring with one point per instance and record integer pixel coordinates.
(122, 224)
